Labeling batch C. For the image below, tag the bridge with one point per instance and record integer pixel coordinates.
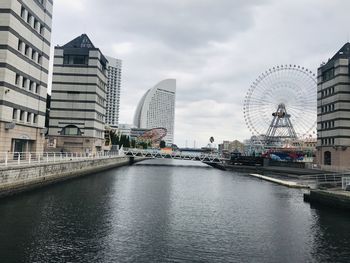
(210, 158)
(29, 158)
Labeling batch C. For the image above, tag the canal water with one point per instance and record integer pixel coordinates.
(167, 213)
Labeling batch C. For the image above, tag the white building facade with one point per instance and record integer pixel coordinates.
(25, 37)
(157, 109)
(113, 91)
(77, 114)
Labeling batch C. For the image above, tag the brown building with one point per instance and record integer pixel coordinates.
(333, 111)
(228, 147)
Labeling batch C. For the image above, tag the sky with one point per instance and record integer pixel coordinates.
(215, 49)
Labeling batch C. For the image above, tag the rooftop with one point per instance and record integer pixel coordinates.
(344, 53)
(82, 41)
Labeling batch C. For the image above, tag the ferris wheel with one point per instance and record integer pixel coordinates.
(282, 103)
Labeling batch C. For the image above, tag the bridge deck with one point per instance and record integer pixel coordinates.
(155, 154)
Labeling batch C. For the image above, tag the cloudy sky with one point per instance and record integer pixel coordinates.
(214, 48)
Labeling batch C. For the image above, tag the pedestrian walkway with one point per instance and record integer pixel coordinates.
(288, 183)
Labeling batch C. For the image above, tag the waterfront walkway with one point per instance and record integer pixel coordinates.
(284, 182)
(11, 159)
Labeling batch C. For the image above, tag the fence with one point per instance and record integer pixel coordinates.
(326, 180)
(27, 158)
(330, 168)
(345, 182)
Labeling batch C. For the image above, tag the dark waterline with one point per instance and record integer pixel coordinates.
(169, 214)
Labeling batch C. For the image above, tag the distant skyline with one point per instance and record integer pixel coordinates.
(214, 49)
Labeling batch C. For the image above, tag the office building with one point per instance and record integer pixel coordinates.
(156, 109)
(231, 146)
(25, 37)
(113, 91)
(333, 106)
(77, 114)
(124, 129)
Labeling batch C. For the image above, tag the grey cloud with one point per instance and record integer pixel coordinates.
(214, 48)
(181, 24)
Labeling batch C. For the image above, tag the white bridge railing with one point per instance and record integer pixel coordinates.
(177, 155)
(26, 158)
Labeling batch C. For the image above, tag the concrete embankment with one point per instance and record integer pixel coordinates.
(288, 183)
(331, 198)
(275, 170)
(22, 178)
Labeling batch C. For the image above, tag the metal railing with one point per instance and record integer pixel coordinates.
(345, 182)
(326, 180)
(176, 155)
(27, 158)
(330, 168)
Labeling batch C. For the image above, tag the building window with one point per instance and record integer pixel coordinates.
(328, 74)
(14, 114)
(26, 50)
(37, 88)
(20, 43)
(327, 158)
(35, 118)
(21, 115)
(29, 18)
(33, 55)
(36, 22)
(71, 130)
(75, 60)
(42, 30)
(31, 85)
(23, 12)
(24, 83)
(29, 116)
(17, 79)
(40, 58)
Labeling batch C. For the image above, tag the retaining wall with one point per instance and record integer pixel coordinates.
(335, 199)
(22, 178)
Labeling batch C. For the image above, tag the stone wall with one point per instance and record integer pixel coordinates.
(22, 178)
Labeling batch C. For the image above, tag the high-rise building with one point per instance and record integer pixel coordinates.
(113, 91)
(77, 114)
(25, 37)
(333, 106)
(156, 109)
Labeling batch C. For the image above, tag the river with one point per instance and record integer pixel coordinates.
(176, 211)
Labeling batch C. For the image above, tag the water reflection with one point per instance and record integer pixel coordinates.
(175, 214)
(54, 222)
(142, 222)
(331, 230)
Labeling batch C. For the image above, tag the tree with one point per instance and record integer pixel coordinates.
(114, 138)
(162, 144)
(133, 143)
(127, 142)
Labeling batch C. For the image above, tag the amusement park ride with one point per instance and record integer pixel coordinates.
(280, 110)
